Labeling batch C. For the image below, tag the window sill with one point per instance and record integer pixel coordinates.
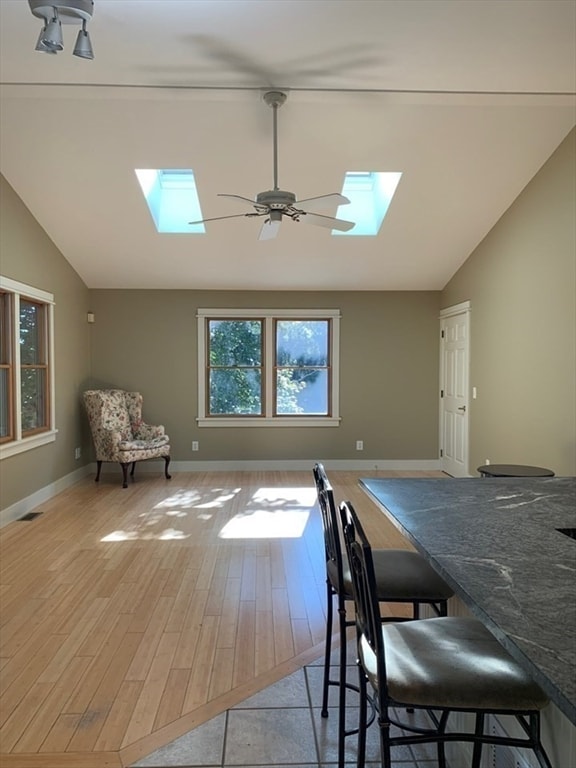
(27, 444)
(289, 421)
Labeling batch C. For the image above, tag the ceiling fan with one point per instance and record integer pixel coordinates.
(276, 203)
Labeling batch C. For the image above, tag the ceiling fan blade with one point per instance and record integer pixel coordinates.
(218, 218)
(237, 197)
(326, 221)
(323, 201)
(269, 230)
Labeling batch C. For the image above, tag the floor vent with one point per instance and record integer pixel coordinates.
(30, 516)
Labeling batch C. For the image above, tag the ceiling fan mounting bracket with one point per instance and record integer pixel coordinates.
(274, 98)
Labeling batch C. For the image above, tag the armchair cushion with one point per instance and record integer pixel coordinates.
(141, 445)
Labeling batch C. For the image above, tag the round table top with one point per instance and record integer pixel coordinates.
(513, 470)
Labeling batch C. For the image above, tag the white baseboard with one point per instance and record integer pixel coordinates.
(287, 465)
(22, 507)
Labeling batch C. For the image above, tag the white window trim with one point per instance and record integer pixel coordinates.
(21, 444)
(268, 420)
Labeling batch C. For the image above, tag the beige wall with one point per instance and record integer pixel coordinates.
(146, 340)
(521, 282)
(29, 256)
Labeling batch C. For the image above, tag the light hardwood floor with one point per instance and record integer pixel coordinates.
(129, 617)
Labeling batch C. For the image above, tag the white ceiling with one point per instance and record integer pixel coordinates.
(468, 98)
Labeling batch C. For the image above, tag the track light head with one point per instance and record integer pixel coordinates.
(83, 47)
(40, 44)
(52, 38)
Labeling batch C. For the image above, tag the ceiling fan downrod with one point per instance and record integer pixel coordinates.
(275, 99)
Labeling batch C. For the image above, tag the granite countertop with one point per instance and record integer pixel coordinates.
(495, 542)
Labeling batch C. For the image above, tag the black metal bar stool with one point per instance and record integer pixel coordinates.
(439, 666)
(402, 576)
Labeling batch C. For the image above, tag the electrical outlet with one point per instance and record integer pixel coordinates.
(359, 445)
(487, 461)
(77, 453)
(195, 445)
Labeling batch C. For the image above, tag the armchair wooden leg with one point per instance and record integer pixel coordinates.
(125, 474)
(167, 460)
(98, 470)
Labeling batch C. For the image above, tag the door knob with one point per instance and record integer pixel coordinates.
(462, 408)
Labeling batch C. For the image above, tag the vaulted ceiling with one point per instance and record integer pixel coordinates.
(466, 99)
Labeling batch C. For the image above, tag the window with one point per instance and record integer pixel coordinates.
(370, 194)
(172, 198)
(268, 367)
(26, 371)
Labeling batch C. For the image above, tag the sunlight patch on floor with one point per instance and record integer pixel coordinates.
(178, 504)
(272, 513)
(168, 534)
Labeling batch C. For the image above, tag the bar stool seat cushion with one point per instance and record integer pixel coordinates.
(399, 572)
(451, 662)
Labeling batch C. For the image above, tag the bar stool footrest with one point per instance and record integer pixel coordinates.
(371, 702)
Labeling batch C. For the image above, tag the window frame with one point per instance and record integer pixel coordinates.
(6, 359)
(20, 440)
(209, 368)
(268, 318)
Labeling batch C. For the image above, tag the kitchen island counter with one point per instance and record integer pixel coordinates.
(497, 543)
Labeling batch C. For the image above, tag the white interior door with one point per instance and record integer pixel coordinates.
(454, 365)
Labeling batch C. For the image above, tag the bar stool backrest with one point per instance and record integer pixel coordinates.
(332, 538)
(361, 563)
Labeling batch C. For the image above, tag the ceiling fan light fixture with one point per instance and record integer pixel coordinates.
(54, 13)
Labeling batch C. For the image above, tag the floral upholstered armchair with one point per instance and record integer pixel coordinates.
(120, 434)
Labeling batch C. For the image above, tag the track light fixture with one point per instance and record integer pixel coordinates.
(57, 12)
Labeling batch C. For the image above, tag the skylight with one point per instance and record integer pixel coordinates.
(370, 194)
(172, 198)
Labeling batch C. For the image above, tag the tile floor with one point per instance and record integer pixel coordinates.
(280, 727)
